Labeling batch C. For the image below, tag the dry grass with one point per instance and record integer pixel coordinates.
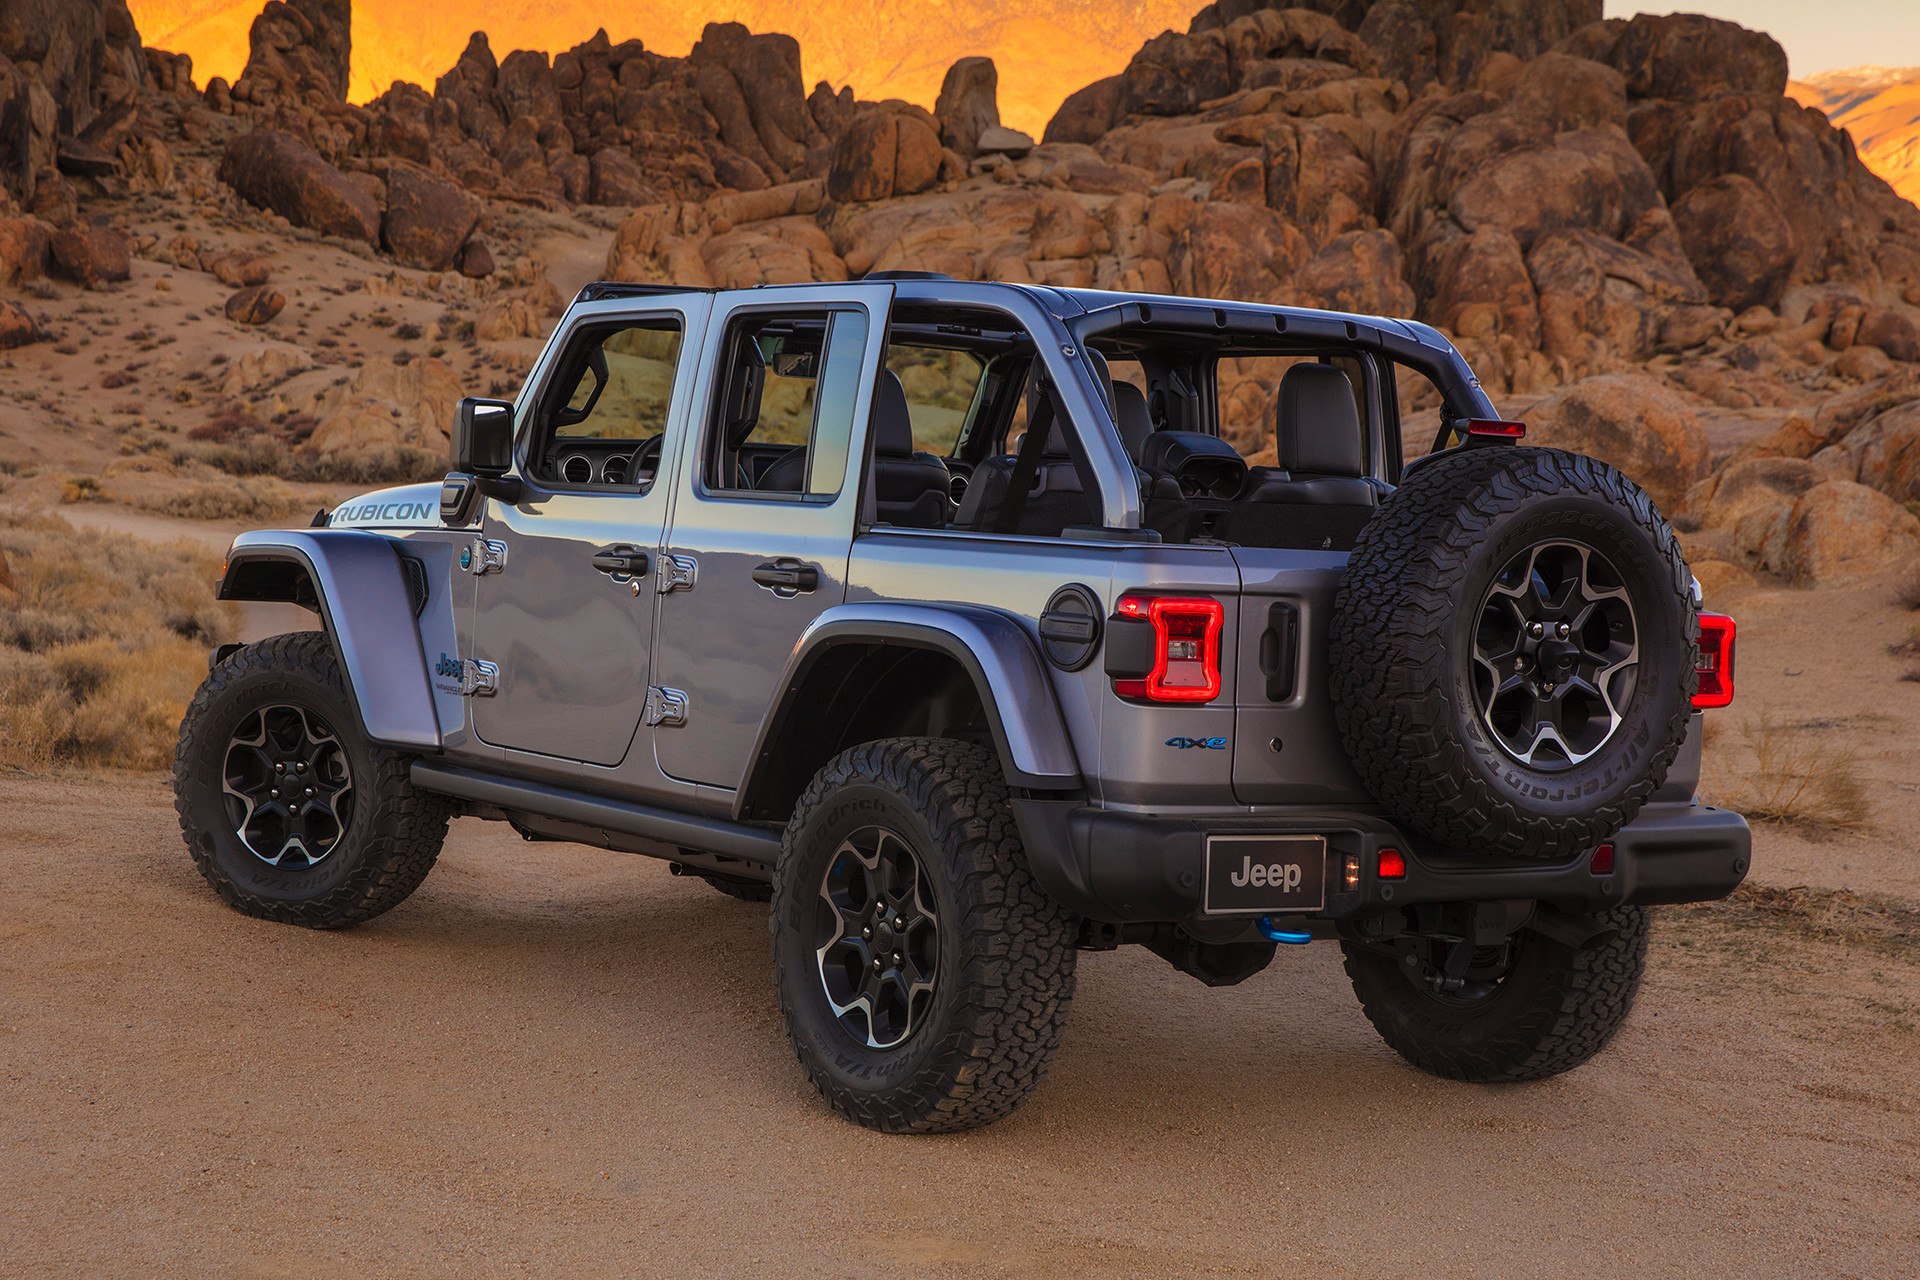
(103, 639)
(1800, 777)
(1878, 923)
(1906, 589)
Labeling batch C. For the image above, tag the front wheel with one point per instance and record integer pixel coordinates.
(289, 812)
(924, 977)
(1534, 1007)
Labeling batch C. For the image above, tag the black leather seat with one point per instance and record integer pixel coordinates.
(1322, 468)
(1131, 416)
(1055, 501)
(910, 488)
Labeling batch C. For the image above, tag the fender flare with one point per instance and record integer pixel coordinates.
(993, 648)
(367, 609)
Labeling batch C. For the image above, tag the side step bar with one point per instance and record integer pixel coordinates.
(598, 814)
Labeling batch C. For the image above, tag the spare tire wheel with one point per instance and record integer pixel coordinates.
(1512, 661)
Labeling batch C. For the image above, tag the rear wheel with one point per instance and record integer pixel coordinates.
(288, 811)
(924, 977)
(1535, 1007)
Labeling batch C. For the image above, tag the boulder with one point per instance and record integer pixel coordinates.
(298, 52)
(1740, 244)
(1863, 364)
(274, 170)
(884, 153)
(385, 407)
(238, 269)
(1892, 329)
(256, 305)
(617, 180)
(92, 253)
(25, 250)
(1087, 114)
(428, 218)
(1000, 140)
(476, 260)
(1838, 530)
(1887, 452)
(525, 87)
(1690, 57)
(17, 328)
(766, 71)
(1481, 288)
(1360, 272)
(969, 104)
(1633, 422)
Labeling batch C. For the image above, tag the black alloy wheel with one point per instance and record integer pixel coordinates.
(877, 937)
(288, 787)
(1556, 653)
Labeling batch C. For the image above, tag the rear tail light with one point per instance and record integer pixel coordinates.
(1716, 661)
(1495, 429)
(1392, 866)
(1186, 648)
(1602, 862)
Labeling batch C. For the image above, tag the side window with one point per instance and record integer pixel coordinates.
(606, 415)
(785, 414)
(940, 384)
(1249, 399)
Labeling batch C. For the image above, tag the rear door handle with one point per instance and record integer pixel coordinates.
(786, 576)
(621, 561)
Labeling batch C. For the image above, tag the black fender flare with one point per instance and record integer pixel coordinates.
(360, 589)
(993, 648)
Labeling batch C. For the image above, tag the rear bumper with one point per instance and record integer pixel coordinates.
(1130, 867)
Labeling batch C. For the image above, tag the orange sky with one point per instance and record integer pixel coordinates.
(1044, 49)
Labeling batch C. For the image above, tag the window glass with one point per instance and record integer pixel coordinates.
(940, 385)
(623, 386)
(786, 411)
(1249, 397)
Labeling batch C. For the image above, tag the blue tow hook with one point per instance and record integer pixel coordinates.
(1274, 933)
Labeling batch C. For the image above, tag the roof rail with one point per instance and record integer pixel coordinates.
(906, 275)
(621, 289)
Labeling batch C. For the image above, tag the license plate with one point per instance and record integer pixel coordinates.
(1250, 875)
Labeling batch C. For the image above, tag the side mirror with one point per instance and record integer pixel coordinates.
(483, 437)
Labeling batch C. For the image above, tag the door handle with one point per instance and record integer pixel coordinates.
(627, 561)
(786, 576)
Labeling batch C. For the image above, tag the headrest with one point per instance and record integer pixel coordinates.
(1131, 416)
(892, 424)
(1317, 422)
(1203, 465)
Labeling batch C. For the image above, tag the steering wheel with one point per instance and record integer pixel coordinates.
(647, 456)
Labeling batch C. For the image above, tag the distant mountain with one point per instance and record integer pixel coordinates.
(1043, 49)
(1880, 107)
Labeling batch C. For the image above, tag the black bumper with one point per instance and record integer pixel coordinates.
(1129, 867)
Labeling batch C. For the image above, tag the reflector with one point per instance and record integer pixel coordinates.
(1602, 864)
(1392, 865)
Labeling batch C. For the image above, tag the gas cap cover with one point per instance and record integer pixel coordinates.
(1070, 627)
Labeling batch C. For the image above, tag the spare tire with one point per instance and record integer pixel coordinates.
(1512, 661)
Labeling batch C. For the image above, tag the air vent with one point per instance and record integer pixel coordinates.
(576, 470)
(614, 470)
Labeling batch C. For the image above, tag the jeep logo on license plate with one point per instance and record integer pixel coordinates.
(1251, 875)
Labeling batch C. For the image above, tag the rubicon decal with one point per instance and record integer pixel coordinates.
(1206, 744)
(386, 513)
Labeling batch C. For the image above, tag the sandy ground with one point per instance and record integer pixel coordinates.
(554, 1060)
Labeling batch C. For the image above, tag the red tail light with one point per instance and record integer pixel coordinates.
(1391, 865)
(1601, 864)
(1716, 661)
(1497, 429)
(1186, 648)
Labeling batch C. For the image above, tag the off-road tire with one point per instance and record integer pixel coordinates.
(1557, 1007)
(390, 839)
(1006, 953)
(1400, 646)
(744, 890)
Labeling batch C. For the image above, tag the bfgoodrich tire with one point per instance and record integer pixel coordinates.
(924, 977)
(288, 811)
(1557, 1005)
(1512, 652)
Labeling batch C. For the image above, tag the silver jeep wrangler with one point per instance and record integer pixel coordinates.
(951, 618)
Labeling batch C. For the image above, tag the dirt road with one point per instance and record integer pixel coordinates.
(560, 1061)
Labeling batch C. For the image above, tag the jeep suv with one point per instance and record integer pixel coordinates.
(975, 625)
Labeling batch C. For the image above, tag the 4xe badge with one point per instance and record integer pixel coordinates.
(1207, 744)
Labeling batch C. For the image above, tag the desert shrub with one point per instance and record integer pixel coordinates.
(257, 498)
(1798, 776)
(402, 465)
(103, 639)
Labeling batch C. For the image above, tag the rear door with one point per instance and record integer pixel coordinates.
(568, 632)
(763, 513)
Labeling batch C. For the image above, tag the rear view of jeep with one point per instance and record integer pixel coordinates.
(977, 625)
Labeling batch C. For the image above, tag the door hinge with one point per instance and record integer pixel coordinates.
(666, 706)
(677, 573)
(479, 679)
(483, 555)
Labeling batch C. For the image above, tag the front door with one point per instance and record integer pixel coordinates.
(764, 514)
(565, 598)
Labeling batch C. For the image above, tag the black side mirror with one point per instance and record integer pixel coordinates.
(483, 437)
